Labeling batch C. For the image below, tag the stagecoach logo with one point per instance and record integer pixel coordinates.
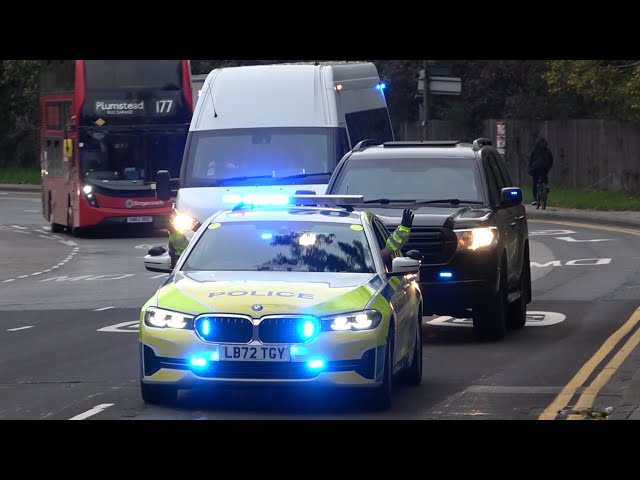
(134, 203)
(118, 108)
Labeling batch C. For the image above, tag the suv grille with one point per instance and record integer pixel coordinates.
(437, 244)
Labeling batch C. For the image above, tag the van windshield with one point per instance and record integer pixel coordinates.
(261, 156)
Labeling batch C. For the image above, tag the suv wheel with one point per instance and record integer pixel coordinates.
(518, 309)
(490, 318)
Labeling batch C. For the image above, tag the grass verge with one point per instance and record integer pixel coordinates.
(588, 199)
(20, 175)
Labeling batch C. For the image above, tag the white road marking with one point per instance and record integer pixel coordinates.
(18, 226)
(159, 276)
(31, 211)
(550, 232)
(123, 327)
(19, 328)
(571, 239)
(103, 309)
(95, 410)
(69, 257)
(534, 319)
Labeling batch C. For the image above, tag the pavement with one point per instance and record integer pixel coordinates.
(620, 397)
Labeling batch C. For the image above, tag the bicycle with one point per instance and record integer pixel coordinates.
(542, 192)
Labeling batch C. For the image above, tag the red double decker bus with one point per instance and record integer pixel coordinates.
(107, 127)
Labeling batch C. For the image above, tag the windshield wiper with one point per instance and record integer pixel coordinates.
(239, 179)
(451, 201)
(385, 201)
(303, 175)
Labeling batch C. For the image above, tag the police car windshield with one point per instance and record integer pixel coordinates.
(294, 246)
(410, 178)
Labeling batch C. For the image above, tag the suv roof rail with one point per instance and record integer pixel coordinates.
(422, 143)
(362, 144)
(478, 143)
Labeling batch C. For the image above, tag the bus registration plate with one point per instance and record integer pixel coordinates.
(139, 219)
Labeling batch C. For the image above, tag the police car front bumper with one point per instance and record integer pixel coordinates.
(349, 359)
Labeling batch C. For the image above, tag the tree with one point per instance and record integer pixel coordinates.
(604, 88)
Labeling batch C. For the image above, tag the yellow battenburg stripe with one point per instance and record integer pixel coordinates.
(275, 297)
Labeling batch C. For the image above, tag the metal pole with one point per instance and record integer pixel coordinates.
(425, 101)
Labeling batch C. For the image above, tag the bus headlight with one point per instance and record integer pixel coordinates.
(475, 238)
(183, 222)
(89, 195)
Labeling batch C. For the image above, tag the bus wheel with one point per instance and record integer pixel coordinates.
(75, 231)
(55, 228)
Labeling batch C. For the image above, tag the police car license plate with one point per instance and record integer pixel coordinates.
(139, 219)
(244, 353)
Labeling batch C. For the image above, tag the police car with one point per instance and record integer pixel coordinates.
(286, 294)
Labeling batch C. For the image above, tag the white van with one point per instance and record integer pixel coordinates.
(261, 133)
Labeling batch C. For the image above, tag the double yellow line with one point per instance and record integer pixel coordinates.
(590, 393)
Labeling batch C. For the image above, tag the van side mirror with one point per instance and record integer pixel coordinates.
(510, 197)
(163, 185)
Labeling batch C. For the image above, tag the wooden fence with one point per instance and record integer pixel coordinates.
(593, 154)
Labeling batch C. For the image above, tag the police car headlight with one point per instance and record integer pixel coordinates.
(160, 318)
(365, 320)
(475, 238)
(183, 222)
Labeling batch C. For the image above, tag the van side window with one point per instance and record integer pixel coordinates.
(373, 124)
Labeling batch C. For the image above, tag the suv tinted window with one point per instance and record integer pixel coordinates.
(410, 178)
(503, 171)
(494, 181)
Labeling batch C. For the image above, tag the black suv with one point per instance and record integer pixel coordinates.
(470, 224)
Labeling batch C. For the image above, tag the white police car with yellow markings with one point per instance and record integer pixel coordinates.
(284, 295)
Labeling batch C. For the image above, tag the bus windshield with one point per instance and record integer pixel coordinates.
(137, 155)
(228, 157)
(133, 74)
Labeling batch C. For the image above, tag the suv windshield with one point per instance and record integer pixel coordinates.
(281, 246)
(410, 178)
(270, 153)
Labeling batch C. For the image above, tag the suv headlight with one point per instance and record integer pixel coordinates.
(475, 238)
(161, 318)
(364, 320)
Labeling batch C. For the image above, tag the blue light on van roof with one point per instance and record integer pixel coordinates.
(381, 86)
(256, 199)
(266, 236)
(446, 275)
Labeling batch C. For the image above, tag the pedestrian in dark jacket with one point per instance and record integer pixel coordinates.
(540, 163)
